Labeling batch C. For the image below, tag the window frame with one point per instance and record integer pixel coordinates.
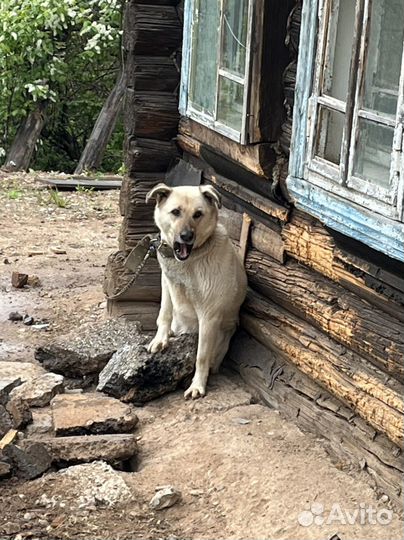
(330, 192)
(186, 107)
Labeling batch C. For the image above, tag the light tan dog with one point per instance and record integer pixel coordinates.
(203, 282)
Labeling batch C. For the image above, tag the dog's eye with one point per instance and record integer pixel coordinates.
(197, 214)
(175, 212)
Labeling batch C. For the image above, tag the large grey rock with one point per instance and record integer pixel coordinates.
(88, 349)
(30, 460)
(85, 448)
(135, 375)
(39, 391)
(92, 413)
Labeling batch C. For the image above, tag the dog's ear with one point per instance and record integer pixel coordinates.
(159, 192)
(212, 195)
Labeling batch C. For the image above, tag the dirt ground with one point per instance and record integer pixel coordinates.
(243, 470)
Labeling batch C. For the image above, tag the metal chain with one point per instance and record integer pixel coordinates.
(133, 278)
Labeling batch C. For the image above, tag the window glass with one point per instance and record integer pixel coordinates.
(330, 128)
(340, 39)
(204, 55)
(373, 152)
(230, 103)
(384, 54)
(234, 44)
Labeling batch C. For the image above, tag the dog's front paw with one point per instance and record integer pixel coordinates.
(158, 344)
(195, 391)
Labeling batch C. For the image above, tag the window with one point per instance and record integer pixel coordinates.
(216, 59)
(347, 160)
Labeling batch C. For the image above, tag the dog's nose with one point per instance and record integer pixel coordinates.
(187, 236)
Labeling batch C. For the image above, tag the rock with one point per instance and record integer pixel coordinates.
(164, 498)
(6, 421)
(39, 391)
(42, 423)
(33, 281)
(88, 349)
(19, 370)
(6, 386)
(85, 448)
(84, 486)
(28, 320)
(20, 412)
(92, 413)
(133, 374)
(58, 250)
(15, 316)
(5, 469)
(30, 461)
(18, 280)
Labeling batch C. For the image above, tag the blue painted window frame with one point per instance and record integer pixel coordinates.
(184, 103)
(332, 203)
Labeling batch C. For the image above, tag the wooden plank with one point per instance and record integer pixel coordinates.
(71, 184)
(308, 241)
(262, 238)
(341, 315)
(347, 376)
(8, 438)
(257, 158)
(346, 437)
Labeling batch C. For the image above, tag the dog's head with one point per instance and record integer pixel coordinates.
(186, 216)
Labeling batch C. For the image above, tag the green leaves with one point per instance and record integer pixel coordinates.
(44, 44)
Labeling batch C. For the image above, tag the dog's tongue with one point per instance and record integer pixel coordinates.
(183, 250)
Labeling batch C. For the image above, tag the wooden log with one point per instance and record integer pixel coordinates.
(257, 158)
(147, 286)
(342, 315)
(153, 73)
(347, 438)
(259, 202)
(157, 30)
(143, 312)
(151, 115)
(22, 149)
(149, 155)
(262, 238)
(132, 200)
(104, 126)
(346, 375)
(309, 242)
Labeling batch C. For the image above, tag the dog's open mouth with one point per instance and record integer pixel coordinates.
(182, 251)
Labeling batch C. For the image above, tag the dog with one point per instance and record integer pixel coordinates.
(203, 281)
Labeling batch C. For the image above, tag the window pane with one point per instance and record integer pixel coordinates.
(204, 56)
(373, 152)
(230, 103)
(340, 38)
(330, 127)
(235, 14)
(384, 55)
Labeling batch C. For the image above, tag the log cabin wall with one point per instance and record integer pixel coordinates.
(152, 44)
(322, 336)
